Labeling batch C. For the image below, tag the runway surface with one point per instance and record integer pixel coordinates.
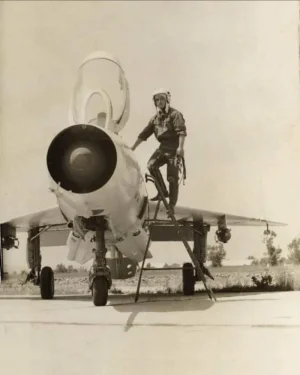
(244, 334)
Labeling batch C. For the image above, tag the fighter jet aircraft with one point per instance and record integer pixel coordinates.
(102, 202)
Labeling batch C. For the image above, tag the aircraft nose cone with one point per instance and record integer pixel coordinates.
(81, 159)
(84, 164)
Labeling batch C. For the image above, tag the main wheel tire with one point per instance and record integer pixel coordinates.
(47, 283)
(188, 279)
(100, 291)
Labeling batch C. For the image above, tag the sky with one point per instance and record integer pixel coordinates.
(232, 69)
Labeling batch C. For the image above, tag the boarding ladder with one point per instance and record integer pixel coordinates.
(175, 223)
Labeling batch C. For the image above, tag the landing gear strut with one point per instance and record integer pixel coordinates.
(33, 257)
(189, 277)
(100, 279)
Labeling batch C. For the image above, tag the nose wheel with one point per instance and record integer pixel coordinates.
(47, 283)
(100, 291)
(100, 279)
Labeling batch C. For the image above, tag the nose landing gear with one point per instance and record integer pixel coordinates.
(100, 279)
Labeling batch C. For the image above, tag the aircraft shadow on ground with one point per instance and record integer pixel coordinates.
(127, 301)
(172, 304)
(162, 305)
(179, 302)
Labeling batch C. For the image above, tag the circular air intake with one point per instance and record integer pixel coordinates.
(81, 158)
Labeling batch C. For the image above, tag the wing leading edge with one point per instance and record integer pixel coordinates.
(209, 217)
(53, 217)
(50, 216)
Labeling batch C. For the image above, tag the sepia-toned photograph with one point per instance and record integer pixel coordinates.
(150, 187)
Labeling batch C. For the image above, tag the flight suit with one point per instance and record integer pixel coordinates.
(167, 127)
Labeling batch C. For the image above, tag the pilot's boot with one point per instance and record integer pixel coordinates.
(157, 175)
(174, 189)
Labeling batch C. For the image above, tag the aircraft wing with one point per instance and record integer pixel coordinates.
(53, 216)
(162, 230)
(50, 216)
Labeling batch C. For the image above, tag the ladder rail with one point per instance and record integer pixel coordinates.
(145, 254)
(185, 242)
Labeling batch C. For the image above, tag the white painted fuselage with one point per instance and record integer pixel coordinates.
(121, 200)
(123, 197)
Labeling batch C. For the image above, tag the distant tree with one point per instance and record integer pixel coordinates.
(264, 261)
(294, 251)
(216, 254)
(254, 261)
(61, 268)
(273, 253)
(282, 261)
(71, 269)
(148, 265)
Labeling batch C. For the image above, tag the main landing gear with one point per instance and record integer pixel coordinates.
(189, 276)
(47, 283)
(188, 279)
(42, 277)
(100, 279)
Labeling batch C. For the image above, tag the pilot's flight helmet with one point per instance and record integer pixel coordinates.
(162, 91)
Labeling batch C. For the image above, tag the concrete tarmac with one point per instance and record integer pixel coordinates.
(241, 334)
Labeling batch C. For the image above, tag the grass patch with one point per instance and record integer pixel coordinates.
(285, 281)
(115, 290)
(235, 283)
(260, 282)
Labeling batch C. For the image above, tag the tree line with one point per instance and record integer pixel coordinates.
(216, 255)
(272, 257)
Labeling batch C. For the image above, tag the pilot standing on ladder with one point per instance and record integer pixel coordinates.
(168, 126)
